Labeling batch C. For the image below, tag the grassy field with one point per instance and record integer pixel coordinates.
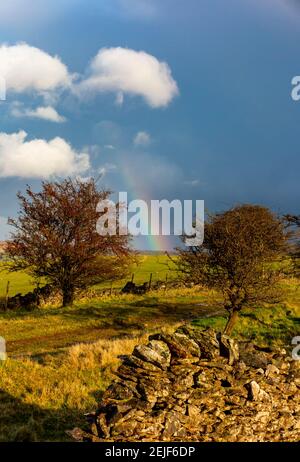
(159, 266)
(61, 360)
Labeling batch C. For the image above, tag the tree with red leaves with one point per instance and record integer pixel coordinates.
(55, 238)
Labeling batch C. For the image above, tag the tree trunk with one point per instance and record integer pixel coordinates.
(233, 317)
(68, 296)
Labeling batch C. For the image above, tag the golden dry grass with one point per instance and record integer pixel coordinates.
(42, 397)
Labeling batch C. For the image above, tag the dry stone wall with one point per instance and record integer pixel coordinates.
(198, 385)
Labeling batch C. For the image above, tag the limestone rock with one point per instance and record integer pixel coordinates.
(206, 340)
(271, 371)
(179, 347)
(197, 385)
(255, 393)
(155, 352)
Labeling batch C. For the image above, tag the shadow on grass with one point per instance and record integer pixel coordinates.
(26, 422)
(295, 320)
(136, 314)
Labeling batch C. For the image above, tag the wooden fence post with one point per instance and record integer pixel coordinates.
(150, 281)
(6, 295)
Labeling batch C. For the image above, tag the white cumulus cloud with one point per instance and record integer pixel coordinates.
(123, 71)
(142, 139)
(42, 112)
(26, 68)
(39, 158)
(126, 71)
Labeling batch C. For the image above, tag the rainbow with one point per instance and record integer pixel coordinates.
(154, 243)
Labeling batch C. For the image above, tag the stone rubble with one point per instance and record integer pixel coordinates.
(198, 385)
(31, 300)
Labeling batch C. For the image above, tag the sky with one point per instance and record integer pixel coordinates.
(165, 99)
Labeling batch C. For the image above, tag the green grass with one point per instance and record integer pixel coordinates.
(158, 265)
(50, 328)
(266, 326)
(19, 282)
(49, 381)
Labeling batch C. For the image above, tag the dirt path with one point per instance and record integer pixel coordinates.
(49, 344)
